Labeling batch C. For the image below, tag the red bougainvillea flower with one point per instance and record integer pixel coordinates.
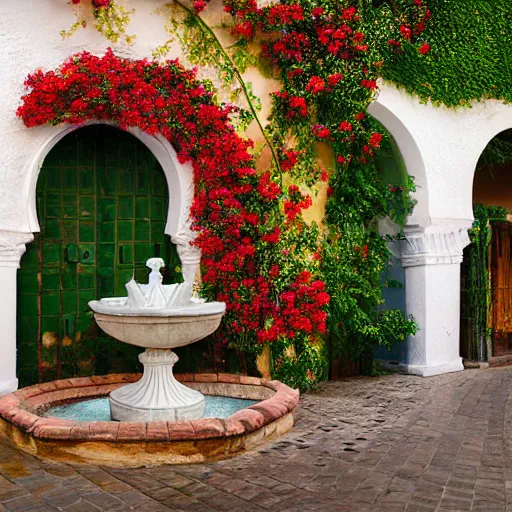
(243, 29)
(345, 127)
(375, 140)
(424, 49)
(282, 15)
(231, 201)
(298, 106)
(405, 32)
(199, 6)
(369, 84)
(317, 12)
(101, 3)
(315, 85)
(321, 131)
(333, 79)
(288, 159)
(272, 237)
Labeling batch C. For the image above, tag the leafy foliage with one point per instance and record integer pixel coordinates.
(476, 284)
(328, 57)
(469, 57)
(110, 19)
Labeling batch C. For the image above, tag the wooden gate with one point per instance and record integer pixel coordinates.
(501, 278)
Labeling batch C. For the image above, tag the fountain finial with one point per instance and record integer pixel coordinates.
(155, 264)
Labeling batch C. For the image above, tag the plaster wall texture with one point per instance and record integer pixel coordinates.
(441, 147)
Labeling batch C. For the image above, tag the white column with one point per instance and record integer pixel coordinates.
(432, 282)
(12, 247)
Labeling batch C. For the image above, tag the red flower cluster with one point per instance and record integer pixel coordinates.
(231, 200)
(282, 15)
(290, 47)
(375, 140)
(296, 202)
(315, 85)
(321, 131)
(299, 310)
(288, 159)
(294, 106)
(424, 49)
(96, 3)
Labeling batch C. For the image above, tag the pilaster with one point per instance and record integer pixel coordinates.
(12, 247)
(432, 282)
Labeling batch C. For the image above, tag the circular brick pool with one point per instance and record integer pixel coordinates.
(134, 444)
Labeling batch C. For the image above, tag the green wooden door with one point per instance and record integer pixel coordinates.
(102, 206)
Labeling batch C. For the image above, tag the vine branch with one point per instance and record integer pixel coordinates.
(238, 77)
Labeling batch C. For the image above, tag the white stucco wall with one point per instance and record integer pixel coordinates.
(441, 147)
(30, 39)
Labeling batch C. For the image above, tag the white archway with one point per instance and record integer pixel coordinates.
(411, 155)
(37, 143)
(435, 233)
(180, 182)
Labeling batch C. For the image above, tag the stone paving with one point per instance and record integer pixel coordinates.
(386, 444)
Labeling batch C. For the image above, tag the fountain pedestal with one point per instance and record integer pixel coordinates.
(157, 395)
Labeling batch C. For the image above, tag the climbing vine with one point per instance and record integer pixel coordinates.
(476, 284)
(110, 19)
(258, 254)
(328, 58)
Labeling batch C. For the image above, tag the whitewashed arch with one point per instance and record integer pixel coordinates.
(411, 155)
(500, 122)
(180, 182)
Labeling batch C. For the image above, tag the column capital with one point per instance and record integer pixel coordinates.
(420, 248)
(12, 247)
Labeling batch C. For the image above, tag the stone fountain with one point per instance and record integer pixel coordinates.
(158, 318)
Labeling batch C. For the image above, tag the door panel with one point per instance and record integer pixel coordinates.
(501, 269)
(102, 206)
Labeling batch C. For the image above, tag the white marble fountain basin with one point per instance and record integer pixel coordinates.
(159, 328)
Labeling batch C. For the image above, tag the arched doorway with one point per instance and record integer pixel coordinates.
(486, 278)
(102, 205)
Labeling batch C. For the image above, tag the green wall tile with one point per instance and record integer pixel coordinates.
(87, 231)
(86, 179)
(125, 230)
(50, 303)
(52, 253)
(68, 302)
(126, 207)
(87, 206)
(69, 179)
(142, 230)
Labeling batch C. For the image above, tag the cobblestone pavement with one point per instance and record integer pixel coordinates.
(385, 444)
